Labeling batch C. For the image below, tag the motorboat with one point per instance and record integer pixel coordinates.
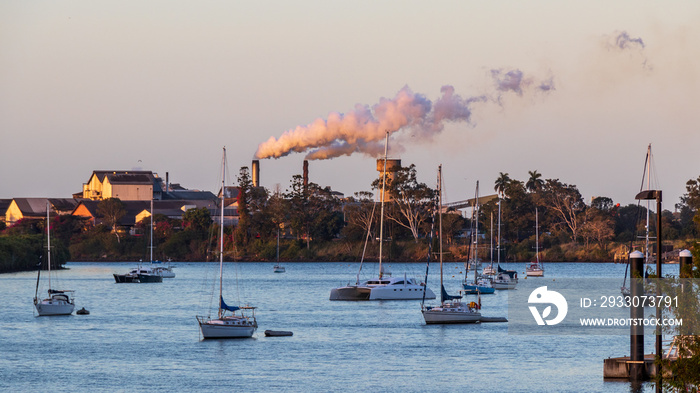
(140, 274)
(165, 271)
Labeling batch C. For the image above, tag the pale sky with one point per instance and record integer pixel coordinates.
(164, 85)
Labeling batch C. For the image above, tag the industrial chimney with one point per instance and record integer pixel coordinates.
(306, 175)
(256, 173)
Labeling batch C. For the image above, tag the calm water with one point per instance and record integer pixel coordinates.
(144, 337)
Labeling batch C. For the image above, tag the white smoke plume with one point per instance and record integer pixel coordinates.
(363, 129)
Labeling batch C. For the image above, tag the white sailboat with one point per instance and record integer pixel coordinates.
(480, 284)
(278, 268)
(536, 268)
(165, 271)
(451, 308)
(227, 325)
(489, 270)
(504, 279)
(383, 287)
(58, 302)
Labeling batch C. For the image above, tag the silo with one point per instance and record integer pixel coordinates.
(392, 166)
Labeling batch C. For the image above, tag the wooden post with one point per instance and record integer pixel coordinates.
(636, 364)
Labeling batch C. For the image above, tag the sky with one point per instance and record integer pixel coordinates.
(575, 90)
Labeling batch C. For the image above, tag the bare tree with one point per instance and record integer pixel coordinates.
(112, 210)
(566, 201)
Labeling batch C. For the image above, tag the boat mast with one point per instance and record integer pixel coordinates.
(537, 237)
(440, 213)
(151, 247)
(648, 165)
(381, 214)
(48, 240)
(476, 231)
(498, 241)
(221, 235)
(491, 245)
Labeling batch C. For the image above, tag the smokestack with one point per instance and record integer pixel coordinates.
(167, 181)
(306, 175)
(256, 173)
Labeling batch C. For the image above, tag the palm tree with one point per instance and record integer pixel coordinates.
(535, 182)
(502, 182)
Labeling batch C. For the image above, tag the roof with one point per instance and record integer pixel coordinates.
(37, 206)
(130, 177)
(172, 209)
(189, 195)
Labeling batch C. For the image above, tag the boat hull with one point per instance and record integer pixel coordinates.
(534, 273)
(350, 293)
(477, 289)
(437, 316)
(504, 285)
(399, 292)
(138, 278)
(227, 328)
(49, 307)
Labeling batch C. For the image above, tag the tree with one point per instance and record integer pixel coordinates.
(197, 219)
(501, 183)
(602, 203)
(566, 201)
(298, 208)
(360, 211)
(245, 184)
(412, 200)
(111, 210)
(599, 226)
(535, 182)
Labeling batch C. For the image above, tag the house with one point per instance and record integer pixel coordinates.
(136, 186)
(35, 208)
(174, 209)
(136, 211)
(125, 185)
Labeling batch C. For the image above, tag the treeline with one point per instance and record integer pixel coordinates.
(314, 224)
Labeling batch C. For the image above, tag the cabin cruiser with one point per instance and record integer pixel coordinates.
(138, 275)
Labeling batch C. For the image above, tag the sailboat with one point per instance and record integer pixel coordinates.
(504, 279)
(646, 175)
(489, 270)
(536, 269)
(383, 287)
(58, 302)
(165, 271)
(278, 268)
(479, 284)
(227, 325)
(451, 308)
